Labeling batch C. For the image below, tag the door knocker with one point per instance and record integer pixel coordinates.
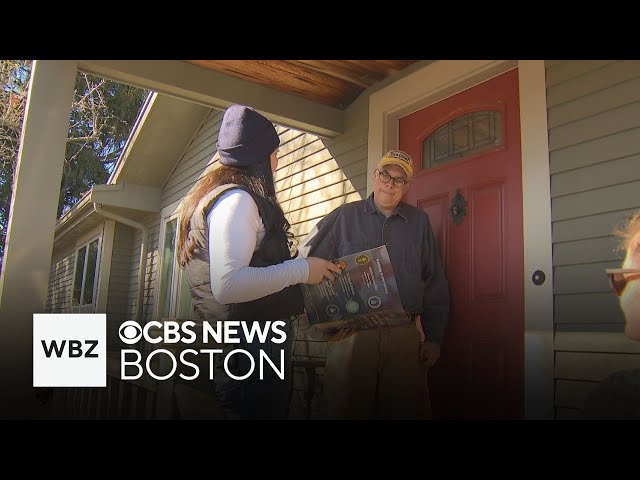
(458, 208)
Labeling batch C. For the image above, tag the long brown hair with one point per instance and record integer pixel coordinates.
(224, 175)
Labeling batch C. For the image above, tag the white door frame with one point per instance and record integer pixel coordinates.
(442, 79)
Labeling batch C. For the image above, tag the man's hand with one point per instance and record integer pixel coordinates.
(341, 334)
(429, 353)
(419, 327)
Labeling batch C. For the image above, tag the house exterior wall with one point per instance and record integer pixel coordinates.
(61, 280)
(193, 162)
(594, 145)
(152, 223)
(119, 283)
(60, 283)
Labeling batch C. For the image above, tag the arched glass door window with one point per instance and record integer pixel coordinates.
(462, 137)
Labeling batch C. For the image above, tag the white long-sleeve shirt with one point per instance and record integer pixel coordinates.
(235, 232)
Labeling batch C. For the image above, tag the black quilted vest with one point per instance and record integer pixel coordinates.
(273, 250)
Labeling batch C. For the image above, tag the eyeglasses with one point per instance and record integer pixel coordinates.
(397, 181)
(619, 277)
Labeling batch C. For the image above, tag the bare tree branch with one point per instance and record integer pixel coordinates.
(101, 114)
(9, 139)
(12, 124)
(92, 138)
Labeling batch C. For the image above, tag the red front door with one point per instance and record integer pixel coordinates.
(472, 155)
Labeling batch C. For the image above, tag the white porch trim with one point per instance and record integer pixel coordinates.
(199, 85)
(440, 80)
(29, 244)
(127, 195)
(536, 219)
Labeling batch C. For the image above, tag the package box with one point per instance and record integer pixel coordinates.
(364, 296)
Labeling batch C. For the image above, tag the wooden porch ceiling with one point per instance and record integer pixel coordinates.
(336, 83)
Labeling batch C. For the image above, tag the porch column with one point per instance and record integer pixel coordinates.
(29, 243)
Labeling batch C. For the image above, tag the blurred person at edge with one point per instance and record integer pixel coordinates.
(617, 397)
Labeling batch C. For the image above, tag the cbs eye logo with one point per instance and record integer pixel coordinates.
(130, 332)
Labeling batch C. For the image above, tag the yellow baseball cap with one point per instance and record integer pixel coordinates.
(400, 158)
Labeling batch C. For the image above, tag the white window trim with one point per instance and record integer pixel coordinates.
(442, 79)
(104, 268)
(85, 240)
(166, 214)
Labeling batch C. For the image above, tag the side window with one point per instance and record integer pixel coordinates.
(85, 277)
(174, 299)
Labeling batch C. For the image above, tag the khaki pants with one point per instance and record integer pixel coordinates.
(377, 374)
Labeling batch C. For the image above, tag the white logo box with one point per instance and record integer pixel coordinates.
(77, 347)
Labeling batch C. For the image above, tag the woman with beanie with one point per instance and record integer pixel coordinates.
(234, 242)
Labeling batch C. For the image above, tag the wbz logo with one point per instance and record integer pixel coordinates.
(69, 350)
(74, 350)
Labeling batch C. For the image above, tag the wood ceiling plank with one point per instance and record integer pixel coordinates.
(287, 77)
(381, 67)
(336, 68)
(336, 83)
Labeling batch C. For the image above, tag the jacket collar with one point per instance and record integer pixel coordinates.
(370, 208)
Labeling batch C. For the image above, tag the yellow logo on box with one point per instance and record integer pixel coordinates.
(362, 259)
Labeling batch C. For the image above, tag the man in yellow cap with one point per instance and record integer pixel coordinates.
(382, 373)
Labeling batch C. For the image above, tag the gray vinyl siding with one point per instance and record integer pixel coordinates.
(117, 299)
(123, 288)
(152, 223)
(60, 283)
(314, 177)
(194, 161)
(594, 145)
